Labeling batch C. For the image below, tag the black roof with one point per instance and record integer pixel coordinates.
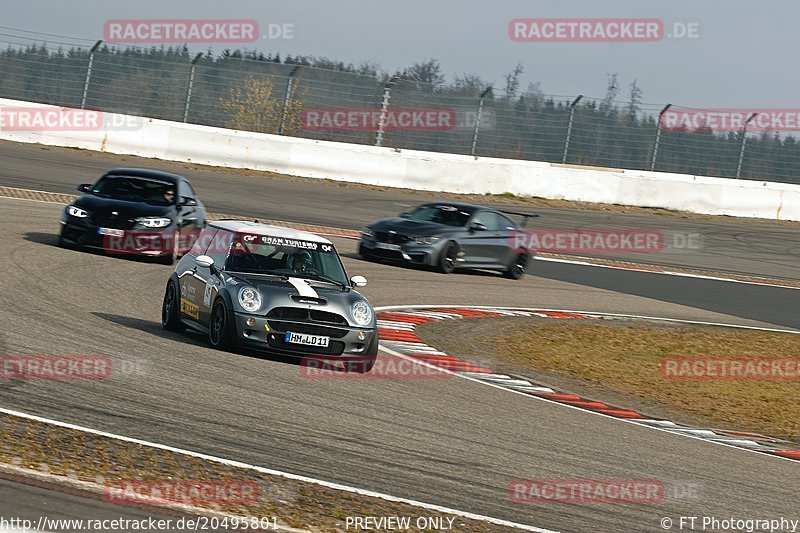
(145, 173)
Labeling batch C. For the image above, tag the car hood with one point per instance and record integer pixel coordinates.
(124, 209)
(412, 228)
(296, 292)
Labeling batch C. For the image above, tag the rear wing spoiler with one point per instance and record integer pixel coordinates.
(525, 216)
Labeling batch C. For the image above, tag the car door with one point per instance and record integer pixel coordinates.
(197, 282)
(503, 231)
(476, 241)
(188, 216)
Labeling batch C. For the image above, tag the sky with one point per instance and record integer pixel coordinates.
(740, 56)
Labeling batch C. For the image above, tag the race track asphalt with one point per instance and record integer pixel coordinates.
(450, 442)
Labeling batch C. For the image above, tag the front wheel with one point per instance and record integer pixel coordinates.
(170, 320)
(172, 256)
(220, 327)
(517, 268)
(447, 261)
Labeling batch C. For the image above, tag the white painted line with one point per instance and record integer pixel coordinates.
(590, 314)
(658, 425)
(269, 471)
(664, 272)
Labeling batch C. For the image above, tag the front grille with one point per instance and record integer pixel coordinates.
(107, 221)
(380, 253)
(310, 329)
(277, 342)
(302, 314)
(392, 238)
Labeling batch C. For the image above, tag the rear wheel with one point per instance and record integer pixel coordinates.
(517, 268)
(447, 261)
(220, 327)
(169, 310)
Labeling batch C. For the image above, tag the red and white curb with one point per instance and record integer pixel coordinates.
(396, 330)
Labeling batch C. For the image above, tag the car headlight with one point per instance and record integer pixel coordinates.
(154, 222)
(76, 212)
(366, 232)
(250, 299)
(425, 240)
(362, 313)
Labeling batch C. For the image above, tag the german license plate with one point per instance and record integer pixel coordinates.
(111, 231)
(386, 246)
(308, 340)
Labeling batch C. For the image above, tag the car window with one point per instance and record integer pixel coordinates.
(184, 190)
(267, 254)
(135, 189)
(441, 213)
(219, 246)
(497, 222)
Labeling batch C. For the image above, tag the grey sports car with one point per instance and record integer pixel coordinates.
(450, 235)
(273, 289)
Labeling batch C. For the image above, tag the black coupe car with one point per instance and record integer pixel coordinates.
(135, 211)
(450, 235)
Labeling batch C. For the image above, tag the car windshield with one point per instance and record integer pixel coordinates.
(264, 254)
(135, 189)
(443, 214)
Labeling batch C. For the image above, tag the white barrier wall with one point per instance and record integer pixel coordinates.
(432, 171)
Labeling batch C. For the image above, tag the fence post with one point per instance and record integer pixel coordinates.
(387, 92)
(478, 120)
(569, 127)
(658, 137)
(189, 88)
(89, 73)
(286, 99)
(744, 140)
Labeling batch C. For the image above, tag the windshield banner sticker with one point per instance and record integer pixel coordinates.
(286, 242)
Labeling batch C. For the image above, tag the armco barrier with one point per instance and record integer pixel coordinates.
(430, 171)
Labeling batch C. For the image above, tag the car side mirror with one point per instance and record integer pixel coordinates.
(204, 261)
(477, 226)
(188, 201)
(358, 281)
(404, 214)
(85, 187)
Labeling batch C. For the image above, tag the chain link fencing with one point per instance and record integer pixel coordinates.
(273, 97)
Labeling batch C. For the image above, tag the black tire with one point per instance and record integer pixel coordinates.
(170, 320)
(517, 267)
(447, 260)
(220, 327)
(61, 241)
(172, 257)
